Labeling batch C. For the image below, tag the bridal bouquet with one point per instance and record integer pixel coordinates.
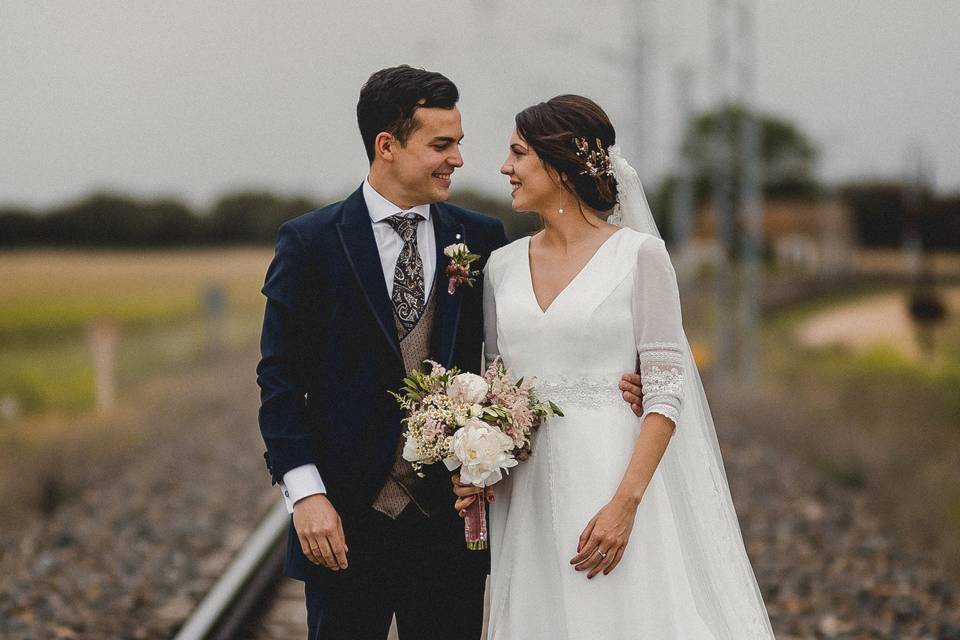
(479, 424)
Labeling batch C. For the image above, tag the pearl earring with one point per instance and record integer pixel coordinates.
(560, 210)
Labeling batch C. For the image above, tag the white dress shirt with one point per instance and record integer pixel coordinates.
(305, 480)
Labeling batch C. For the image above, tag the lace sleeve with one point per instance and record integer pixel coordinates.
(490, 351)
(658, 329)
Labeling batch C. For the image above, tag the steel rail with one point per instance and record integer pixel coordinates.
(240, 590)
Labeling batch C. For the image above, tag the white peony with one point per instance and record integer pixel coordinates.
(410, 453)
(453, 249)
(468, 388)
(483, 451)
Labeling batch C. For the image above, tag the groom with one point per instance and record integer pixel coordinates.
(356, 297)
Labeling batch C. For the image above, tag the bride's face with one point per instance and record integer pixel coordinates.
(534, 188)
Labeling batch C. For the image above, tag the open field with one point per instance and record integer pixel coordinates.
(155, 299)
(866, 412)
(46, 294)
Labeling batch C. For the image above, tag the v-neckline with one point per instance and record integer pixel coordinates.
(576, 276)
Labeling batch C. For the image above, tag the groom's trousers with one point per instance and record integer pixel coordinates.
(416, 567)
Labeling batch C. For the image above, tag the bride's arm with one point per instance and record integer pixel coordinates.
(659, 336)
(658, 328)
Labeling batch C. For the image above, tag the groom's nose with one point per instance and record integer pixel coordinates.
(455, 160)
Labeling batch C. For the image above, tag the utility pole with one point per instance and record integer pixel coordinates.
(683, 197)
(641, 34)
(927, 308)
(722, 187)
(915, 186)
(722, 152)
(751, 196)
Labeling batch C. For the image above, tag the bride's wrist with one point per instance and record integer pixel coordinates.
(629, 499)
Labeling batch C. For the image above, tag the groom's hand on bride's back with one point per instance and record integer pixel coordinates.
(320, 531)
(632, 390)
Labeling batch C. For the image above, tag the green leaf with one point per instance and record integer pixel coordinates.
(555, 408)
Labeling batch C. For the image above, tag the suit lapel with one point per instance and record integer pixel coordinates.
(360, 247)
(447, 231)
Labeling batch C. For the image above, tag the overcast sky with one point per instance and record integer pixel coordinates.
(192, 98)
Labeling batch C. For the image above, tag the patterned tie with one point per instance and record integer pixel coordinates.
(408, 274)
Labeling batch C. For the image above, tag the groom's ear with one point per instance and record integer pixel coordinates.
(385, 146)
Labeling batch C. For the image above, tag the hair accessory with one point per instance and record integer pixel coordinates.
(596, 160)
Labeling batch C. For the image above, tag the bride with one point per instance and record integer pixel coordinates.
(617, 527)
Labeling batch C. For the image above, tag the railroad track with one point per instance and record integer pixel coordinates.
(240, 594)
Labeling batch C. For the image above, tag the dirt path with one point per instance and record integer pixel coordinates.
(880, 319)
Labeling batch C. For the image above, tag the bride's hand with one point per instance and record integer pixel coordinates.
(605, 537)
(467, 494)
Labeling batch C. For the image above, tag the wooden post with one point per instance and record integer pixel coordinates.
(104, 336)
(214, 307)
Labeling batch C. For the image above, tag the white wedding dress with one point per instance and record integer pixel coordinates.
(624, 302)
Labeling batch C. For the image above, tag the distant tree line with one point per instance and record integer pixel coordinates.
(245, 217)
(787, 157)
(884, 213)
(116, 220)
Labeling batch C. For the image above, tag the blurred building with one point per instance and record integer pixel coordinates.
(809, 236)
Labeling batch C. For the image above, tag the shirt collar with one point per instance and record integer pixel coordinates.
(380, 208)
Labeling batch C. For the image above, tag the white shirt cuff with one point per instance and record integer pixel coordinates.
(300, 482)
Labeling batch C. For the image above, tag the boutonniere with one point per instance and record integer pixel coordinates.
(458, 271)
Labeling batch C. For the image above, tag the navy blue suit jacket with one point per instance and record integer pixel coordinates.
(330, 350)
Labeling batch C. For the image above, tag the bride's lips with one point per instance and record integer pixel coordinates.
(443, 177)
(515, 185)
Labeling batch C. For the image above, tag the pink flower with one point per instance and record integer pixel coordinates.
(457, 274)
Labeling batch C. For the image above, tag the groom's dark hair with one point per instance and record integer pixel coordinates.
(390, 98)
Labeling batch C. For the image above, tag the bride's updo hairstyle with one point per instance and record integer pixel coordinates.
(571, 134)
